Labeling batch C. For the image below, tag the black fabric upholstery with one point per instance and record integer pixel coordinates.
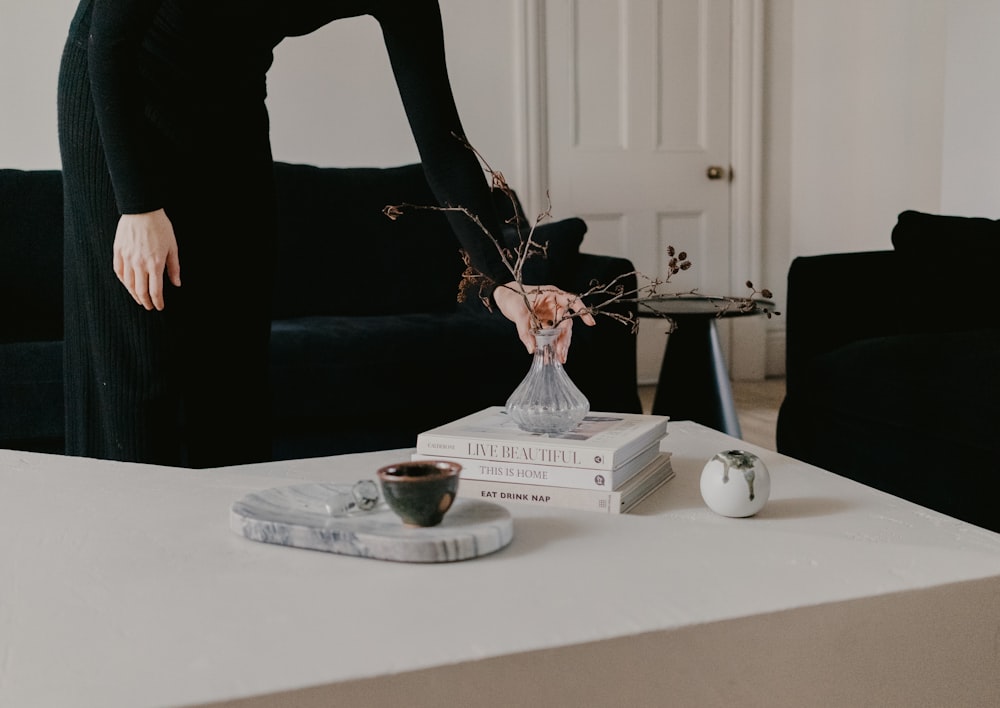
(895, 383)
(30, 214)
(31, 382)
(950, 261)
(31, 395)
(368, 346)
(330, 222)
(561, 241)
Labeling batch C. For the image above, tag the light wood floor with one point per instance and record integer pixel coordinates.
(757, 405)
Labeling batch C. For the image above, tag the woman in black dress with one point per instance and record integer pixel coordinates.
(168, 170)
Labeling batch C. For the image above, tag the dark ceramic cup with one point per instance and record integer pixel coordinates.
(421, 491)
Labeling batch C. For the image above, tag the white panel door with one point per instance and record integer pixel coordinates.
(638, 100)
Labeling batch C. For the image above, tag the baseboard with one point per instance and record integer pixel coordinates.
(775, 348)
(770, 365)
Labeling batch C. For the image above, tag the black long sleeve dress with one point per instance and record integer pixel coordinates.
(161, 105)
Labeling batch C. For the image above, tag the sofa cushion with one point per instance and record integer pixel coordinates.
(947, 270)
(338, 254)
(397, 374)
(373, 366)
(563, 239)
(31, 396)
(31, 237)
(941, 386)
(913, 415)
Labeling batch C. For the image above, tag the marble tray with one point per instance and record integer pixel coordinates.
(296, 516)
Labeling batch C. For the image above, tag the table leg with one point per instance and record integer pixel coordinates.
(694, 381)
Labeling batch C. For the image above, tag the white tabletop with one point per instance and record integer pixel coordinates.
(123, 585)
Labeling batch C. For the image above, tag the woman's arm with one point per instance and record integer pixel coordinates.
(414, 39)
(145, 245)
(116, 32)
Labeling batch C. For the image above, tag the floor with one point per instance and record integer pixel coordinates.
(756, 406)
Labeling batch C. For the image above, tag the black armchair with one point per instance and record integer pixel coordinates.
(893, 366)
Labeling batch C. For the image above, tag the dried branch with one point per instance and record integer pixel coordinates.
(598, 298)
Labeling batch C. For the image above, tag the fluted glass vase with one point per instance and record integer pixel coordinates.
(547, 401)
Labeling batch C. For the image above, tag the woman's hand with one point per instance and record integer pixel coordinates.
(145, 247)
(549, 304)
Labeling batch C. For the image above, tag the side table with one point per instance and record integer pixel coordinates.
(694, 379)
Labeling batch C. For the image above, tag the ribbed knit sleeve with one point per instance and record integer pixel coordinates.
(116, 32)
(414, 39)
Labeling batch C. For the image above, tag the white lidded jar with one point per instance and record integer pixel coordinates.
(735, 483)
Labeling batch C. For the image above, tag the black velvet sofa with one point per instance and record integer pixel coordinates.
(893, 365)
(369, 346)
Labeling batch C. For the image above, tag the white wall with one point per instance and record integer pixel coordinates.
(32, 34)
(971, 165)
(776, 212)
(858, 133)
(873, 107)
(333, 101)
(332, 97)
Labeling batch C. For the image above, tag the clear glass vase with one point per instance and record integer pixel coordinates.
(547, 401)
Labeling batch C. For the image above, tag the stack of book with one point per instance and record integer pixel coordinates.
(608, 463)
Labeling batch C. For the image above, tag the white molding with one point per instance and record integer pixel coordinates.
(531, 163)
(746, 203)
(776, 345)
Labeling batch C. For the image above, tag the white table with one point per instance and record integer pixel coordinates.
(122, 585)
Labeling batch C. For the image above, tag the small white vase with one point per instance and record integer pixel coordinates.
(735, 483)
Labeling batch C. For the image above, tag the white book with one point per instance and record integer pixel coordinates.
(601, 441)
(549, 475)
(620, 501)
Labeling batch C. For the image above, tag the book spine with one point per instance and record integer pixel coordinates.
(534, 453)
(541, 475)
(536, 495)
(548, 475)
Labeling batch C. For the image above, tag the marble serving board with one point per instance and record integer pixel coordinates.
(297, 516)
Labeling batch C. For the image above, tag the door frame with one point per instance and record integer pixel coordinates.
(531, 168)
